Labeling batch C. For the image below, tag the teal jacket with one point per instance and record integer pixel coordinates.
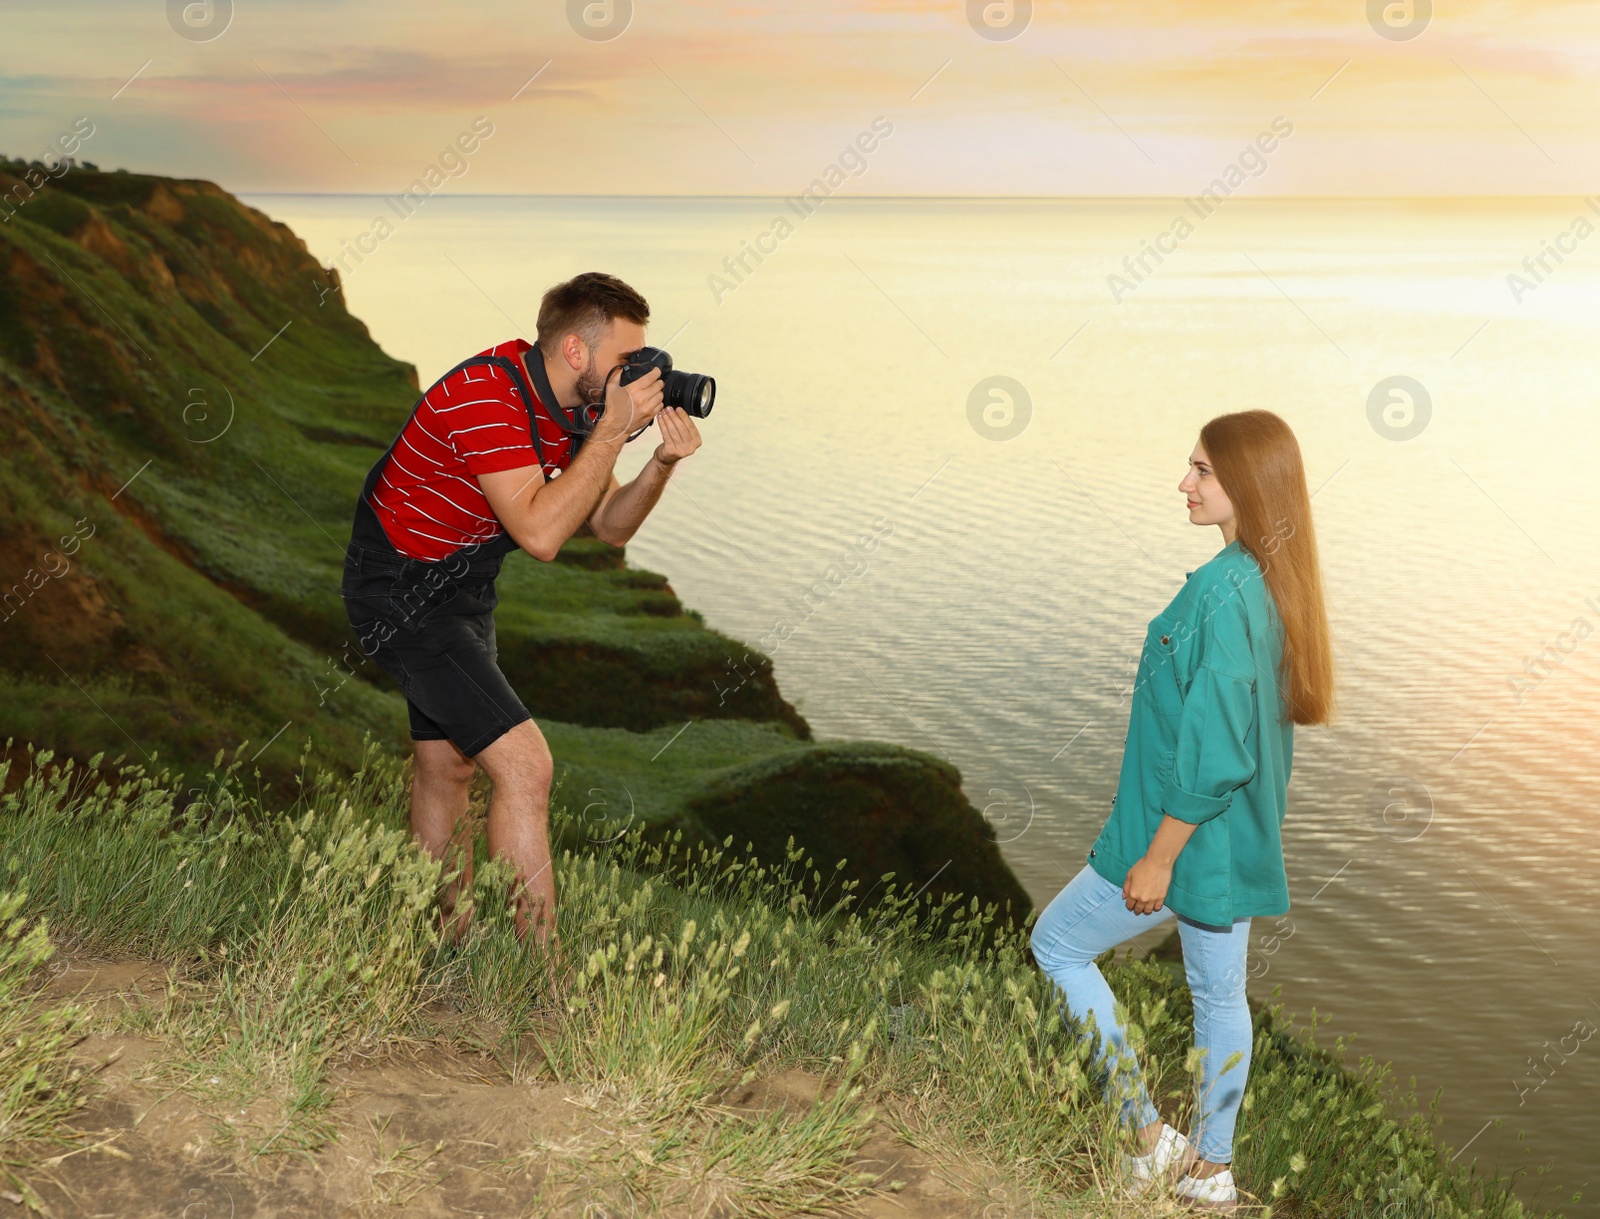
(1205, 745)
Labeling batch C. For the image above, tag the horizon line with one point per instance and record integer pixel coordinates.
(898, 198)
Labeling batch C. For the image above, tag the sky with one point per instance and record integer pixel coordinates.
(760, 97)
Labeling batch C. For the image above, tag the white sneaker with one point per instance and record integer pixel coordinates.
(1216, 1192)
(1139, 1172)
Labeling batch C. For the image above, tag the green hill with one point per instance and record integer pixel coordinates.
(191, 412)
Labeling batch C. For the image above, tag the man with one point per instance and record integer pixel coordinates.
(503, 452)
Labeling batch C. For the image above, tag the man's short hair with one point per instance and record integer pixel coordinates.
(584, 306)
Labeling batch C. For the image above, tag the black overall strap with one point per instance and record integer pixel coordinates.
(506, 364)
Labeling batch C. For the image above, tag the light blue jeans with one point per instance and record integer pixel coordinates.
(1088, 917)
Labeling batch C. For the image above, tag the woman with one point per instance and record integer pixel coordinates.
(1238, 658)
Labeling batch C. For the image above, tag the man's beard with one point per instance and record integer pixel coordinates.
(590, 385)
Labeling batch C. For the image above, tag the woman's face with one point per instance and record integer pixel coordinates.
(1208, 505)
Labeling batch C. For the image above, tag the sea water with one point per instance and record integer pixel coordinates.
(945, 456)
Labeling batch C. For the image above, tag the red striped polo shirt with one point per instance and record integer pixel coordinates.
(472, 422)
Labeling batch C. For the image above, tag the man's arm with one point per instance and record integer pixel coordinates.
(540, 516)
(622, 510)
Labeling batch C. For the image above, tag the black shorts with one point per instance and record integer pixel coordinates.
(442, 655)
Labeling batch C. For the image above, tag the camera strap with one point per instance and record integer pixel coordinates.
(573, 426)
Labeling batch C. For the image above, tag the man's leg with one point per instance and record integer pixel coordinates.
(520, 765)
(440, 789)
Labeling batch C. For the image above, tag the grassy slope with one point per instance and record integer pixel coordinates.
(196, 411)
(295, 943)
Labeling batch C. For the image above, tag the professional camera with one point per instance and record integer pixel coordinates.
(692, 391)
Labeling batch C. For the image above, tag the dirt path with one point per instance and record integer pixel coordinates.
(427, 1130)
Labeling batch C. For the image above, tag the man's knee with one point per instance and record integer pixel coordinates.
(442, 762)
(518, 757)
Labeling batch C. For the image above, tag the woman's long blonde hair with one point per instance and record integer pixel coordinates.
(1257, 460)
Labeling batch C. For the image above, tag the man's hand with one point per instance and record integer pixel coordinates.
(622, 509)
(1144, 889)
(630, 407)
(679, 436)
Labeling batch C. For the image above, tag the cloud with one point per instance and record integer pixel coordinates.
(744, 96)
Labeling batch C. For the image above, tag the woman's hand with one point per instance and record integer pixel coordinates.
(1144, 889)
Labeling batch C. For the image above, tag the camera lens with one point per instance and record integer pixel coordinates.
(692, 391)
(703, 400)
